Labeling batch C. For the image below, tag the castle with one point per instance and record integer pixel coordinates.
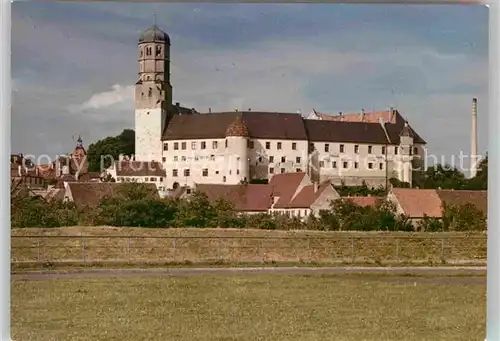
(235, 147)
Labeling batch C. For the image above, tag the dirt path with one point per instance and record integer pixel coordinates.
(407, 274)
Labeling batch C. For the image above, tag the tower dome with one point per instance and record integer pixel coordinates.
(237, 128)
(154, 35)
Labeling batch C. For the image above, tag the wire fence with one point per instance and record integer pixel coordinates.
(339, 249)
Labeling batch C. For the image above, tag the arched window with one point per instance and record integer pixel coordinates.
(158, 50)
(142, 52)
(150, 92)
(224, 179)
(148, 51)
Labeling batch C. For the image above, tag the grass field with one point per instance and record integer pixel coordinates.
(251, 307)
(243, 246)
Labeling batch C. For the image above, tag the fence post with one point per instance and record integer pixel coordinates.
(175, 249)
(83, 249)
(38, 250)
(352, 251)
(442, 249)
(128, 249)
(397, 250)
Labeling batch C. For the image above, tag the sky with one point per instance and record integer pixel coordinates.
(74, 65)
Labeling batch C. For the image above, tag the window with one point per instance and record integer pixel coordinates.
(150, 94)
(237, 172)
(298, 170)
(356, 149)
(205, 172)
(322, 164)
(176, 145)
(214, 145)
(271, 170)
(193, 145)
(341, 148)
(165, 146)
(294, 146)
(148, 51)
(279, 146)
(383, 150)
(174, 172)
(226, 143)
(161, 179)
(183, 158)
(282, 170)
(381, 166)
(415, 150)
(396, 150)
(410, 151)
(176, 158)
(183, 145)
(356, 165)
(260, 158)
(369, 149)
(327, 147)
(224, 178)
(283, 159)
(334, 164)
(297, 159)
(158, 50)
(268, 145)
(250, 144)
(186, 172)
(203, 145)
(164, 159)
(271, 159)
(370, 165)
(153, 179)
(345, 164)
(142, 53)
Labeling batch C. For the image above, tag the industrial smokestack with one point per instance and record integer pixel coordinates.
(473, 157)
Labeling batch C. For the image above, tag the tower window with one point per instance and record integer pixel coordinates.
(158, 50)
(142, 53)
(148, 51)
(150, 92)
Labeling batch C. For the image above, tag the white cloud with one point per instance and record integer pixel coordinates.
(118, 95)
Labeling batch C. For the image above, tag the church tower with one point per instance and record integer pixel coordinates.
(153, 93)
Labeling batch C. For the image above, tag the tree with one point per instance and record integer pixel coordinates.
(109, 148)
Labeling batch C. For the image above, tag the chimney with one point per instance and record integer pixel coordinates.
(209, 110)
(362, 115)
(473, 157)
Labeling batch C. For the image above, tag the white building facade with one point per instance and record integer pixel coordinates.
(237, 147)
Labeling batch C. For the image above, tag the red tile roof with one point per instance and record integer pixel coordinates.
(417, 203)
(458, 197)
(306, 197)
(284, 186)
(249, 198)
(368, 117)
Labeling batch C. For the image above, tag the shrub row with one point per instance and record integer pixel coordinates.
(136, 208)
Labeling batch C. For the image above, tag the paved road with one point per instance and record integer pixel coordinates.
(475, 274)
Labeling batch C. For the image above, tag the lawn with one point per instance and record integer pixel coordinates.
(247, 307)
(136, 245)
